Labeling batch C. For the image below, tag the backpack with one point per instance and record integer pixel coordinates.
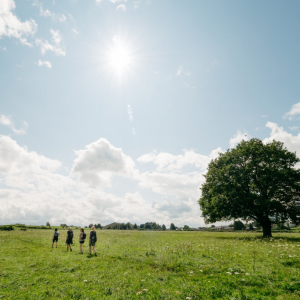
(56, 233)
(70, 234)
(93, 237)
(84, 235)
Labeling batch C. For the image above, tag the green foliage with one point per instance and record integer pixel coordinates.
(6, 227)
(281, 226)
(37, 227)
(251, 226)
(142, 226)
(186, 228)
(253, 181)
(98, 226)
(172, 226)
(135, 226)
(163, 227)
(48, 224)
(238, 225)
(212, 226)
(137, 264)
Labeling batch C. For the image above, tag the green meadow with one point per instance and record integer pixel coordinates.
(150, 265)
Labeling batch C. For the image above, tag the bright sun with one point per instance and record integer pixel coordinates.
(119, 57)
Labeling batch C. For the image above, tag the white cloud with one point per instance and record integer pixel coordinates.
(99, 162)
(6, 120)
(47, 13)
(44, 63)
(46, 46)
(292, 142)
(294, 128)
(116, 1)
(182, 186)
(295, 110)
(179, 71)
(11, 26)
(56, 37)
(166, 162)
(3, 48)
(75, 31)
(238, 138)
(121, 7)
(32, 191)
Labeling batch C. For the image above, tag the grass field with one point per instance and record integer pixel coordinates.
(150, 265)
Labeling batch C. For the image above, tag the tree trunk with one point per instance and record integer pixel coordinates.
(266, 225)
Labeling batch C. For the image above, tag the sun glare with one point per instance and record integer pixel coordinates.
(119, 58)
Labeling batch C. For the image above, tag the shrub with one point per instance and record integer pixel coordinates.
(6, 228)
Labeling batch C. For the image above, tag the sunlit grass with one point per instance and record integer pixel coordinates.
(151, 265)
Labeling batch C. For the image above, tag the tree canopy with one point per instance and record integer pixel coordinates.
(253, 181)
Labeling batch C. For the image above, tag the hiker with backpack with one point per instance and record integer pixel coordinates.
(82, 237)
(55, 237)
(93, 240)
(69, 239)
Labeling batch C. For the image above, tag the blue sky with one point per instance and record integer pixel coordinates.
(111, 110)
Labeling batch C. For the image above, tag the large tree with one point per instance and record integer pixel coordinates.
(254, 181)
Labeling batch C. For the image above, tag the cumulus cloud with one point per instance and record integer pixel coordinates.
(292, 142)
(238, 138)
(181, 186)
(33, 192)
(96, 164)
(16, 159)
(295, 110)
(44, 63)
(166, 162)
(11, 26)
(6, 120)
(46, 46)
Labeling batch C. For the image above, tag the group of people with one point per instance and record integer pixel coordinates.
(82, 237)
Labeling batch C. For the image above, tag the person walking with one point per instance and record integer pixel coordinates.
(93, 240)
(55, 237)
(69, 239)
(82, 237)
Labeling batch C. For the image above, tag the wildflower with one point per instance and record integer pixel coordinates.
(236, 273)
(125, 273)
(145, 290)
(84, 280)
(188, 298)
(143, 280)
(138, 293)
(243, 279)
(201, 271)
(191, 272)
(228, 273)
(247, 274)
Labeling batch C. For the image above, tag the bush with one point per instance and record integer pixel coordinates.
(37, 227)
(238, 225)
(6, 228)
